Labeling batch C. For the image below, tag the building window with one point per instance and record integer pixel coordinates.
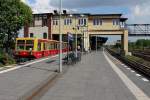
(31, 35)
(82, 21)
(55, 22)
(67, 21)
(85, 21)
(116, 22)
(97, 21)
(37, 20)
(44, 22)
(45, 35)
(38, 17)
(32, 24)
(122, 24)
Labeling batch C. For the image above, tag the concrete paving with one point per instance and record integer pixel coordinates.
(91, 79)
(19, 83)
(132, 74)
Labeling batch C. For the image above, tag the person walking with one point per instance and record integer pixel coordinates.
(78, 53)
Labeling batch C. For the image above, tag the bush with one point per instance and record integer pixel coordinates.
(5, 59)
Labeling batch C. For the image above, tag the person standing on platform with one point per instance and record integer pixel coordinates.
(78, 52)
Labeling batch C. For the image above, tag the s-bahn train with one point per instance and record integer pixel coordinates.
(37, 48)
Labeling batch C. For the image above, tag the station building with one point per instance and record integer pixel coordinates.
(85, 25)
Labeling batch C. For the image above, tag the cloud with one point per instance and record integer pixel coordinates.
(138, 9)
(41, 6)
(94, 3)
(139, 13)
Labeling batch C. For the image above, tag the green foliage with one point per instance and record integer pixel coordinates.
(143, 42)
(117, 45)
(5, 59)
(13, 15)
(139, 44)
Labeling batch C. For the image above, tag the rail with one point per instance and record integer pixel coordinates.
(133, 64)
(143, 55)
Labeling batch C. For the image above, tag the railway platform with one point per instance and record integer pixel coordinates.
(96, 77)
(20, 82)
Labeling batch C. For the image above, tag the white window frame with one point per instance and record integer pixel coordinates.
(97, 21)
(81, 21)
(67, 21)
(116, 22)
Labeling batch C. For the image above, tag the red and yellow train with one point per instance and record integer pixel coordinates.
(37, 48)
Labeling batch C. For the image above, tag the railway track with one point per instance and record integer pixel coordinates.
(145, 70)
(144, 55)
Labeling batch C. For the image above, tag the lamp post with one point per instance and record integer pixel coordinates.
(76, 35)
(83, 36)
(76, 28)
(96, 43)
(60, 39)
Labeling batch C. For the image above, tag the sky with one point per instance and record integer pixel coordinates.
(137, 11)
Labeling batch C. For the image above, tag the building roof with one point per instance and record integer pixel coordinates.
(123, 19)
(42, 13)
(106, 14)
(81, 14)
(103, 16)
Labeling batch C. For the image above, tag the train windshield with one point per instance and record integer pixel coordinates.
(29, 44)
(25, 44)
(21, 45)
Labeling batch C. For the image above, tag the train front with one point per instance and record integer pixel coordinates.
(24, 48)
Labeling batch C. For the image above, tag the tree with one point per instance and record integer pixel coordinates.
(13, 15)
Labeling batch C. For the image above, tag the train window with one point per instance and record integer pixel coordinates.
(29, 47)
(29, 44)
(20, 44)
(20, 47)
(39, 47)
(63, 46)
(52, 45)
(44, 46)
(57, 45)
(48, 46)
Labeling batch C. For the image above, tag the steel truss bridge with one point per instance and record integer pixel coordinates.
(138, 29)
